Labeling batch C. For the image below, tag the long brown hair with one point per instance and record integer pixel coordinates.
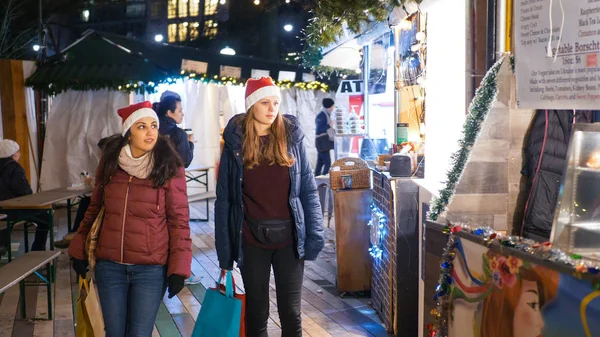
(166, 159)
(274, 152)
(498, 311)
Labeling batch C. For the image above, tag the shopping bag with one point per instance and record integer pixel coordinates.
(221, 312)
(90, 322)
(91, 241)
(241, 297)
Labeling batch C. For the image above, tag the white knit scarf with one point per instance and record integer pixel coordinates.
(138, 167)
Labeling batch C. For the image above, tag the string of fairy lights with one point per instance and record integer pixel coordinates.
(152, 86)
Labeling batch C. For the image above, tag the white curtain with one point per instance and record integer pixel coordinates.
(28, 70)
(233, 103)
(77, 120)
(201, 104)
(33, 137)
(305, 105)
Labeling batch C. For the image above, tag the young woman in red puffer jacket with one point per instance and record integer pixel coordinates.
(144, 244)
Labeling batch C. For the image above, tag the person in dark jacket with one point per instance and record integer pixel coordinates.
(14, 184)
(544, 165)
(324, 129)
(267, 212)
(144, 244)
(171, 114)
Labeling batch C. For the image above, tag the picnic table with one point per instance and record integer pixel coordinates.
(19, 209)
(199, 174)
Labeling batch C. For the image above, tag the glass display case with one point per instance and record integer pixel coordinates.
(576, 227)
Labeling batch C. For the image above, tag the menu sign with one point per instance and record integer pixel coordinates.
(562, 74)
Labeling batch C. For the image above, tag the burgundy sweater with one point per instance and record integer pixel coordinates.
(265, 194)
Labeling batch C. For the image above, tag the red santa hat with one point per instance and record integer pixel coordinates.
(134, 113)
(257, 89)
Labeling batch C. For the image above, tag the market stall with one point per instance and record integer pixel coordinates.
(408, 105)
(511, 245)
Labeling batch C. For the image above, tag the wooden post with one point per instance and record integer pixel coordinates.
(14, 108)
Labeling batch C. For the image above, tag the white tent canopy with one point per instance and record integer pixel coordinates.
(79, 119)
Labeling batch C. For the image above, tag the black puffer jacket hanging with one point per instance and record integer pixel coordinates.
(544, 164)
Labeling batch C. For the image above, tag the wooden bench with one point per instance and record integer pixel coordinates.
(204, 196)
(23, 266)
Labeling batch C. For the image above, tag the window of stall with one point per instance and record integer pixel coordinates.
(380, 100)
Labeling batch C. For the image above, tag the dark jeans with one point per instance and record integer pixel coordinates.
(130, 296)
(41, 218)
(289, 272)
(41, 233)
(84, 203)
(323, 163)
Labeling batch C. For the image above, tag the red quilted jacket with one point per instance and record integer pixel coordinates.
(142, 225)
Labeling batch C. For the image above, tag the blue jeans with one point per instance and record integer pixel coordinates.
(130, 296)
(323, 163)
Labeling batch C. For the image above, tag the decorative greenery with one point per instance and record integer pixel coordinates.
(151, 87)
(311, 57)
(478, 110)
(327, 72)
(330, 17)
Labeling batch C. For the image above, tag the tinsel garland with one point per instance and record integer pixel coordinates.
(478, 110)
(150, 87)
(543, 251)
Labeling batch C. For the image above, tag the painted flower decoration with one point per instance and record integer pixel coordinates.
(504, 271)
(514, 264)
(497, 278)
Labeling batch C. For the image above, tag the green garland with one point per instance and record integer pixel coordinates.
(330, 17)
(478, 110)
(150, 87)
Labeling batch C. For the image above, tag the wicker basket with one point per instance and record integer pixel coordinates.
(354, 167)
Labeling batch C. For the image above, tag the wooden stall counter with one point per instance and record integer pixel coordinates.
(352, 215)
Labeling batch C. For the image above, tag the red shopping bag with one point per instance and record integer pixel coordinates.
(241, 297)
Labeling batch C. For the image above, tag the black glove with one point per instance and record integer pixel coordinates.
(176, 283)
(80, 267)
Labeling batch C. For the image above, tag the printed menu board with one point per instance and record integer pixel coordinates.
(562, 74)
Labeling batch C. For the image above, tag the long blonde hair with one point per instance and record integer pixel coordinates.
(274, 152)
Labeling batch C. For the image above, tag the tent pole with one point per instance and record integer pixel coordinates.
(43, 97)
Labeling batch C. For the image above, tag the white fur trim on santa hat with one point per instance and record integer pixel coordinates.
(261, 93)
(8, 148)
(136, 116)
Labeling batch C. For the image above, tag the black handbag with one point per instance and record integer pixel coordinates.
(323, 143)
(270, 232)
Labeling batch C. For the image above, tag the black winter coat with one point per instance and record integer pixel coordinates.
(544, 165)
(13, 181)
(184, 147)
(304, 199)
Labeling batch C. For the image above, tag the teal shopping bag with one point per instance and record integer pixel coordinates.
(221, 313)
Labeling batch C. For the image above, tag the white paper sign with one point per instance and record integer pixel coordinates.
(194, 66)
(308, 77)
(258, 73)
(572, 81)
(287, 76)
(350, 87)
(228, 71)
